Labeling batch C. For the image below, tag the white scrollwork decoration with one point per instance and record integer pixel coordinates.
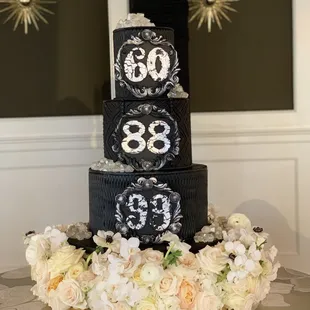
(148, 213)
(171, 146)
(167, 74)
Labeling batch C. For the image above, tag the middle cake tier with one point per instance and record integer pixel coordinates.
(148, 135)
(148, 204)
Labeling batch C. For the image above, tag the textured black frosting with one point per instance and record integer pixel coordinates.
(188, 191)
(173, 112)
(150, 48)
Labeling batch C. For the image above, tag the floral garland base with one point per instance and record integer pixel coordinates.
(235, 274)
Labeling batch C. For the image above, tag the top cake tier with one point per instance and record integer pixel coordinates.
(146, 62)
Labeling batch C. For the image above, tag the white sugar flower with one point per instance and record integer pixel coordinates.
(56, 237)
(151, 273)
(129, 247)
(238, 220)
(108, 240)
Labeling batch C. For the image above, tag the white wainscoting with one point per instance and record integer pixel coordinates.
(264, 174)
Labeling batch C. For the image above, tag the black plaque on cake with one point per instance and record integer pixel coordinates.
(147, 209)
(148, 136)
(146, 64)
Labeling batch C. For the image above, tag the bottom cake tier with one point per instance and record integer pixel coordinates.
(148, 204)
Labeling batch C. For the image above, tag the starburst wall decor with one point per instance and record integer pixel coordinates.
(211, 11)
(26, 12)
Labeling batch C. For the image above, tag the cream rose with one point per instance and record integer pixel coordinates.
(131, 265)
(205, 301)
(212, 259)
(39, 272)
(71, 294)
(187, 294)
(238, 220)
(152, 256)
(168, 285)
(147, 304)
(86, 280)
(171, 303)
(38, 249)
(63, 259)
(235, 301)
(189, 261)
(75, 270)
(150, 273)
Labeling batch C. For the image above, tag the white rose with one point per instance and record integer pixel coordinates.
(183, 272)
(75, 270)
(37, 250)
(212, 259)
(131, 265)
(55, 303)
(258, 287)
(147, 304)
(152, 256)
(71, 294)
(41, 291)
(235, 301)
(39, 272)
(172, 303)
(63, 259)
(86, 280)
(207, 301)
(270, 271)
(188, 260)
(168, 285)
(150, 273)
(238, 220)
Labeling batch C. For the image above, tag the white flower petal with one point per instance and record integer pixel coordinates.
(231, 276)
(240, 249)
(229, 246)
(133, 242)
(249, 265)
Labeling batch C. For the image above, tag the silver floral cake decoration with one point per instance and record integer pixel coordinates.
(147, 210)
(153, 158)
(137, 60)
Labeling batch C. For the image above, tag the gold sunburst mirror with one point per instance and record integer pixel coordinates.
(26, 12)
(211, 11)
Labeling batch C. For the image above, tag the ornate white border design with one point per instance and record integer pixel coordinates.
(161, 160)
(172, 79)
(143, 185)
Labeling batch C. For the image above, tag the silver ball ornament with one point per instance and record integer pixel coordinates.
(148, 184)
(175, 197)
(147, 34)
(121, 199)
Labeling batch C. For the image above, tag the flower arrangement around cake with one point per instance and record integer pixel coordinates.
(236, 273)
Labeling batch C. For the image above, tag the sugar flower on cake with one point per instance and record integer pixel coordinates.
(108, 240)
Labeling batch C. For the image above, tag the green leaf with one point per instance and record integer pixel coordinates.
(172, 258)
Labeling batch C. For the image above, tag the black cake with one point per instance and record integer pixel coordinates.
(149, 131)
